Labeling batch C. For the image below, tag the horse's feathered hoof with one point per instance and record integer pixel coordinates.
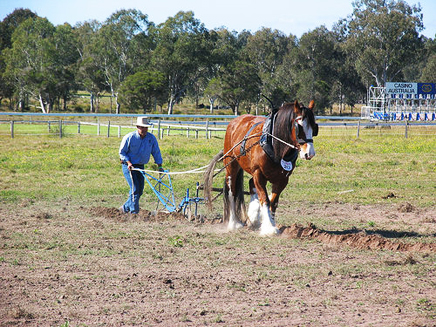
(272, 231)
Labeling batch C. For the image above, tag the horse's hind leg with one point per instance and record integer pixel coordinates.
(230, 198)
(254, 206)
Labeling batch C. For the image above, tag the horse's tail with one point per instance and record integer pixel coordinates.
(208, 178)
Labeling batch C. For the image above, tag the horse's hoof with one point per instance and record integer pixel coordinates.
(235, 226)
(270, 231)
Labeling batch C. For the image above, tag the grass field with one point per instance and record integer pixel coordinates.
(68, 259)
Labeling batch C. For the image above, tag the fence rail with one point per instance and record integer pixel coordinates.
(197, 125)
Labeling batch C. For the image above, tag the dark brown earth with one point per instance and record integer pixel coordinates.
(94, 266)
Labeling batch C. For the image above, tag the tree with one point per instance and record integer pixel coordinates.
(116, 47)
(181, 53)
(90, 76)
(267, 49)
(428, 72)
(382, 38)
(315, 67)
(31, 61)
(238, 83)
(65, 43)
(7, 28)
(142, 90)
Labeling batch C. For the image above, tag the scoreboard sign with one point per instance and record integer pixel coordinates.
(410, 90)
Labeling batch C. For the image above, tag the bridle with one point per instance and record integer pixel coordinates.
(297, 131)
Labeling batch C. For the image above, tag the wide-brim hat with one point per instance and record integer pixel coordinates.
(143, 122)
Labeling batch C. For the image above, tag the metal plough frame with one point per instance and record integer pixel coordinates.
(162, 187)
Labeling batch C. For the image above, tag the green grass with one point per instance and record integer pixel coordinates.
(86, 168)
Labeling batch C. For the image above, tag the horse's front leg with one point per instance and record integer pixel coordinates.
(276, 190)
(254, 206)
(267, 224)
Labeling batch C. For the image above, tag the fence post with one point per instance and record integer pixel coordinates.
(168, 130)
(108, 128)
(98, 126)
(207, 129)
(158, 130)
(406, 132)
(12, 129)
(119, 131)
(187, 132)
(60, 128)
(78, 127)
(358, 129)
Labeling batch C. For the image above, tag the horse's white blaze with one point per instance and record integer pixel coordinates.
(254, 210)
(308, 151)
(268, 226)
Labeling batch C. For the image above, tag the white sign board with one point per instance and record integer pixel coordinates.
(401, 88)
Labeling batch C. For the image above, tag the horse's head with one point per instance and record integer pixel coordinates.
(307, 129)
(295, 125)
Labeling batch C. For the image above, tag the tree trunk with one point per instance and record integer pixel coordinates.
(91, 102)
(211, 101)
(41, 102)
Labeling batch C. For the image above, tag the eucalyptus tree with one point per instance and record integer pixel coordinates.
(428, 73)
(116, 47)
(181, 53)
(65, 65)
(143, 90)
(267, 49)
(225, 48)
(238, 83)
(315, 67)
(31, 61)
(382, 38)
(90, 76)
(7, 28)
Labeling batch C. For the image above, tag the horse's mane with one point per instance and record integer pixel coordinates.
(282, 129)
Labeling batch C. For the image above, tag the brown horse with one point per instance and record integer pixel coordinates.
(293, 130)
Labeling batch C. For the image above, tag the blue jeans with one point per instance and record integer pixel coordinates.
(135, 179)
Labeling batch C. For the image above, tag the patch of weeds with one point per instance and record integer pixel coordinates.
(427, 307)
(264, 303)
(176, 241)
(237, 286)
(371, 223)
(65, 324)
(157, 256)
(219, 319)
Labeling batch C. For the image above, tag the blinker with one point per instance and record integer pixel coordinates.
(315, 130)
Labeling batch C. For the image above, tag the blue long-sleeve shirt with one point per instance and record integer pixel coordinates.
(137, 150)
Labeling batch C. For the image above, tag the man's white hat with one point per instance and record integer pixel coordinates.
(143, 121)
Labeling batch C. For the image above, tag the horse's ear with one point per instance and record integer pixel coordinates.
(296, 107)
(312, 105)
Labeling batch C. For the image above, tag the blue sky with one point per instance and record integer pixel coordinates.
(289, 16)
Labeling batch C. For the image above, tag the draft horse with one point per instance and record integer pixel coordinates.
(292, 134)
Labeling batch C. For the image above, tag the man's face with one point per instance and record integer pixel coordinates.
(142, 130)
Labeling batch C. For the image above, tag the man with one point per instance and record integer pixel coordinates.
(135, 150)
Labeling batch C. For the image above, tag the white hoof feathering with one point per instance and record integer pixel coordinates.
(234, 222)
(254, 211)
(268, 225)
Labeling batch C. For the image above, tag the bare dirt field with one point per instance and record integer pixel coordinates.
(92, 266)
